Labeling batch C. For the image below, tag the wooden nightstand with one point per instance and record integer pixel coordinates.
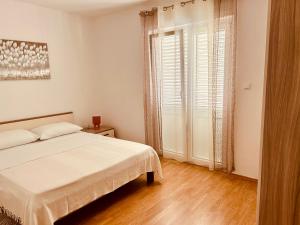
(103, 130)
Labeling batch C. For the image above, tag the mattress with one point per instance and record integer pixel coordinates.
(44, 181)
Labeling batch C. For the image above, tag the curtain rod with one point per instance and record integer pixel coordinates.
(145, 13)
(165, 8)
(187, 2)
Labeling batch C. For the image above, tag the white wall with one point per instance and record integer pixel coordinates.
(120, 68)
(251, 48)
(70, 87)
(119, 62)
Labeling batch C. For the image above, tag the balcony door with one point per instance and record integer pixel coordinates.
(184, 78)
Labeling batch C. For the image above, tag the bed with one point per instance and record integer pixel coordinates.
(44, 181)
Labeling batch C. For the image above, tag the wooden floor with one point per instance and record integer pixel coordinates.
(188, 195)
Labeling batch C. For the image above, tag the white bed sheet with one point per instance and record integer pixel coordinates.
(44, 181)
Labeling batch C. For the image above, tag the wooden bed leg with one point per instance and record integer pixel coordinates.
(150, 177)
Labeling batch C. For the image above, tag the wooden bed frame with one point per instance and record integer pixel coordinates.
(32, 122)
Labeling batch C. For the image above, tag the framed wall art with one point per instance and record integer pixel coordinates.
(23, 60)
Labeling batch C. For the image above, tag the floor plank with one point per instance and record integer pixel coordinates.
(188, 195)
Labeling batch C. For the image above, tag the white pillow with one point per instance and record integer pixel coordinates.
(14, 138)
(55, 129)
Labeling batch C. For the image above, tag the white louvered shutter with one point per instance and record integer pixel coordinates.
(201, 75)
(200, 80)
(171, 71)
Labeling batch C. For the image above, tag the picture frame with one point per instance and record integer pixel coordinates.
(24, 60)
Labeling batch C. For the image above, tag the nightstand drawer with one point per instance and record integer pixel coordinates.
(103, 130)
(108, 133)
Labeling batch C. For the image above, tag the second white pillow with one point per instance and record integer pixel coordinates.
(55, 129)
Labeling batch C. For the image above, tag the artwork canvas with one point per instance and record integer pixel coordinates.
(21, 60)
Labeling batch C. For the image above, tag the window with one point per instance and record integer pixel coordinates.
(171, 71)
(174, 75)
(200, 90)
(185, 74)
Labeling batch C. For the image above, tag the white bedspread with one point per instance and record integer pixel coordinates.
(44, 181)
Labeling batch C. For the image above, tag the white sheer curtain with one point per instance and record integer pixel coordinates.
(152, 104)
(195, 70)
(225, 20)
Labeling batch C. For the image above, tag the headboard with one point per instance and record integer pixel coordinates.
(30, 123)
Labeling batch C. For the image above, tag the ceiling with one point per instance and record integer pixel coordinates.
(85, 6)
